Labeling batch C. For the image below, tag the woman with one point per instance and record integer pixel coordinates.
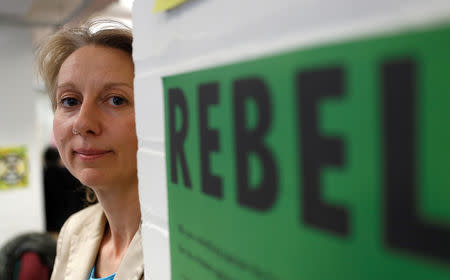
(89, 76)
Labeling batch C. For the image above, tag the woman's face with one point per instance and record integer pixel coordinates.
(95, 100)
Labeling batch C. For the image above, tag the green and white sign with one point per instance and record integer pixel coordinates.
(321, 163)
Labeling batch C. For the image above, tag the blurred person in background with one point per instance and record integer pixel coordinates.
(88, 72)
(63, 193)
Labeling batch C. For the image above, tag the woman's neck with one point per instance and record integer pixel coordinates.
(122, 210)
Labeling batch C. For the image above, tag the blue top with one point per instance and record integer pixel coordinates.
(91, 277)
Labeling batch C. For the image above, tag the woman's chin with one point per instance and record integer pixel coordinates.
(92, 177)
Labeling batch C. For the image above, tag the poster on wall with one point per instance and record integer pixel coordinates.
(13, 167)
(323, 163)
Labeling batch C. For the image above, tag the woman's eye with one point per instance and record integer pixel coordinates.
(117, 100)
(69, 102)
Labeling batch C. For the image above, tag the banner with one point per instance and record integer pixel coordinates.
(322, 163)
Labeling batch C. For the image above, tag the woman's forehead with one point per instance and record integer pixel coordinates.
(97, 63)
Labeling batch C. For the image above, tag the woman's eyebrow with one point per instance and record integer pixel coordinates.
(106, 86)
(66, 85)
(112, 85)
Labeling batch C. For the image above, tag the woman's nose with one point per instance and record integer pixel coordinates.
(87, 120)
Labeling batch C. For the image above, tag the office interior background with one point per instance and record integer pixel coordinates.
(234, 40)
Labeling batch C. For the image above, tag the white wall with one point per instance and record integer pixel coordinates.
(204, 33)
(21, 209)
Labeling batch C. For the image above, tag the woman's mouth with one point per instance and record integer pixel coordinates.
(90, 154)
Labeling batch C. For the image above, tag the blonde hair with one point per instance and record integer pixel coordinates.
(52, 54)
